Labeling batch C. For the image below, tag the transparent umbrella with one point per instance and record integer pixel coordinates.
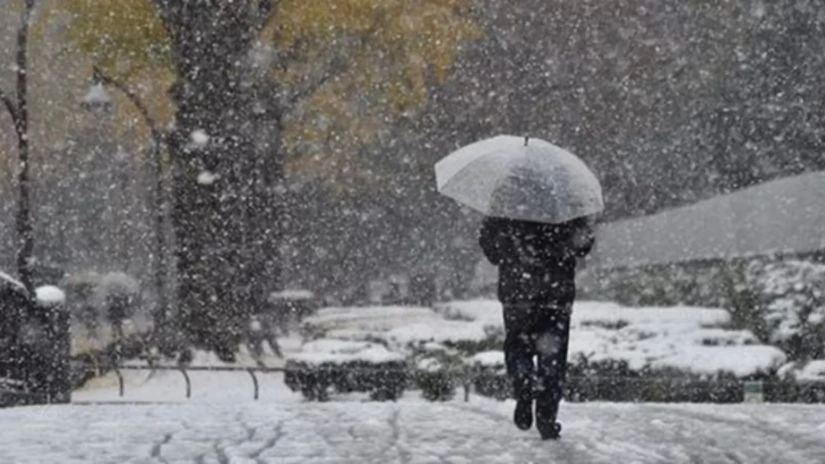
(520, 178)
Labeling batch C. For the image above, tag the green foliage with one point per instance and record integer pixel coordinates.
(350, 65)
(120, 34)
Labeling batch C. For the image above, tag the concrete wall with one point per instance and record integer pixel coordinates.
(782, 216)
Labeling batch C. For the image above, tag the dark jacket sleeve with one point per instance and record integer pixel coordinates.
(582, 238)
(489, 238)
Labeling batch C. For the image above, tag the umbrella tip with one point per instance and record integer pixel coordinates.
(526, 139)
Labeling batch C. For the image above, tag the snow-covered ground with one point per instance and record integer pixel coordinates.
(206, 386)
(155, 423)
(287, 430)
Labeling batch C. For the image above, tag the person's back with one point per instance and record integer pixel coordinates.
(537, 262)
(537, 267)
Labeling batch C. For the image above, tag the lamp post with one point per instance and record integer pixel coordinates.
(98, 99)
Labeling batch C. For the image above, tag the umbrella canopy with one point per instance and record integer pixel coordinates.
(520, 178)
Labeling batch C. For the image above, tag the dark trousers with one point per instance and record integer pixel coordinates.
(541, 331)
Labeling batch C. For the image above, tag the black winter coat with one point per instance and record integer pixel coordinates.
(536, 262)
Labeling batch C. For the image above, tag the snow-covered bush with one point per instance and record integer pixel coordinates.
(490, 375)
(792, 305)
(119, 294)
(346, 367)
(439, 370)
(94, 298)
(781, 301)
(435, 380)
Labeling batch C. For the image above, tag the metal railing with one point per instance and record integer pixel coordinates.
(184, 370)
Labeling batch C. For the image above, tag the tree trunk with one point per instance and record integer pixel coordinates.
(224, 187)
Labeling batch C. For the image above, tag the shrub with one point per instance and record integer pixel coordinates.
(782, 301)
(383, 381)
(613, 380)
(436, 385)
(438, 373)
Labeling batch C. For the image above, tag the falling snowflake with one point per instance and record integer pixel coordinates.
(199, 138)
(207, 178)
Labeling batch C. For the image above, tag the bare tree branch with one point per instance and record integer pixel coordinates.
(11, 107)
(100, 75)
(309, 89)
(266, 8)
(332, 69)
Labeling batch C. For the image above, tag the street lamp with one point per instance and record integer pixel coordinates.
(97, 99)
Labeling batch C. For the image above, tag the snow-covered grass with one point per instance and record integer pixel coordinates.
(811, 370)
(365, 323)
(343, 351)
(782, 300)
(687, 338)
(209, 386)
(440, 332)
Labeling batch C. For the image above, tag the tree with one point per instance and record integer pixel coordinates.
(18, 109)
(248, 74)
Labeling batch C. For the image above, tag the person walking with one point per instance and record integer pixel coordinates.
(536, 286)
(539, 202)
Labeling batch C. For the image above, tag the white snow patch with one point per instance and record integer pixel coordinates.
(437, 331)
(810, 370)
(367, 322)
(341, 351)
(291, 294)
(119, 283)
(97, 95)
(428, 365)
(488, 359)
(814, 370)
(48, 295)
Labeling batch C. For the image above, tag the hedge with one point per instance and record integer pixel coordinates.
(383, 381)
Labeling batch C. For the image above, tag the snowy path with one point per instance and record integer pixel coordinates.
(411, 431)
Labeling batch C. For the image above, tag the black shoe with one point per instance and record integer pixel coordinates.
(549, 431)
(523, 415)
